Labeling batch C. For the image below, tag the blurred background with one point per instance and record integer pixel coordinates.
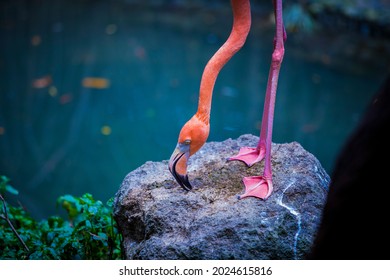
(92, 89)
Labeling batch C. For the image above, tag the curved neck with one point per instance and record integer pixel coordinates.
(240, 30)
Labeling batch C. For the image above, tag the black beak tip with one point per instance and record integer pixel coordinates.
(182, 180)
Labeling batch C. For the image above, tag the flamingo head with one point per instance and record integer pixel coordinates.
(191, 138)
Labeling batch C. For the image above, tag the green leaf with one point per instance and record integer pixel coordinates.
(3, 184)
(70, 204)
(93, 210)
(53, 253)
(110, 202)
(11, 190)
(102, 235)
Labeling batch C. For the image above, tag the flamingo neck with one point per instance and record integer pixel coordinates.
(237, 37)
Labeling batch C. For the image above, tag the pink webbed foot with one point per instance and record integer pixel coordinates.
(249, 155)
(257, 186)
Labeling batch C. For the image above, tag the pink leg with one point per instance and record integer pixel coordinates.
(261, 186)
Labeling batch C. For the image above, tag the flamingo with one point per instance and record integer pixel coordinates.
(195, 132)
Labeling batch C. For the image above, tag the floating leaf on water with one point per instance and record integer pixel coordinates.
(111, 29)
(42, 82)
(105, 130)
(66, 98)
(94, 82)
(36, 40)
(140, 52)
(53, 91)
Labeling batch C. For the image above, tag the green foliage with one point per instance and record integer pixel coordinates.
(5, 187)
(88, 233)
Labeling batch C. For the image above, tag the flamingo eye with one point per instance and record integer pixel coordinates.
(187, 142)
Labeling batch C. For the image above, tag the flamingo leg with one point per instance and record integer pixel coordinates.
(261, 186)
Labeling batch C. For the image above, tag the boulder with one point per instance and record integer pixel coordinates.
(160, 220)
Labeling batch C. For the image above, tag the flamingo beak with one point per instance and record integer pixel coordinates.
(178, 165)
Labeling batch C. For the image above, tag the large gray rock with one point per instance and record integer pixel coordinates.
(159, 220)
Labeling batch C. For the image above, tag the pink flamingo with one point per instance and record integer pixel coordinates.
(195, 132)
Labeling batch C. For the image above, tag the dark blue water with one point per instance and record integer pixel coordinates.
(90, 90)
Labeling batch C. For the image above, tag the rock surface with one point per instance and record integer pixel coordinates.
(159, 220)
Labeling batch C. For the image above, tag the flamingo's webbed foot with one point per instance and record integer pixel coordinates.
(249, 155)
(257, 186)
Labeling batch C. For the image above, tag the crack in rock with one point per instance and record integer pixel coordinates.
(295, 213)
